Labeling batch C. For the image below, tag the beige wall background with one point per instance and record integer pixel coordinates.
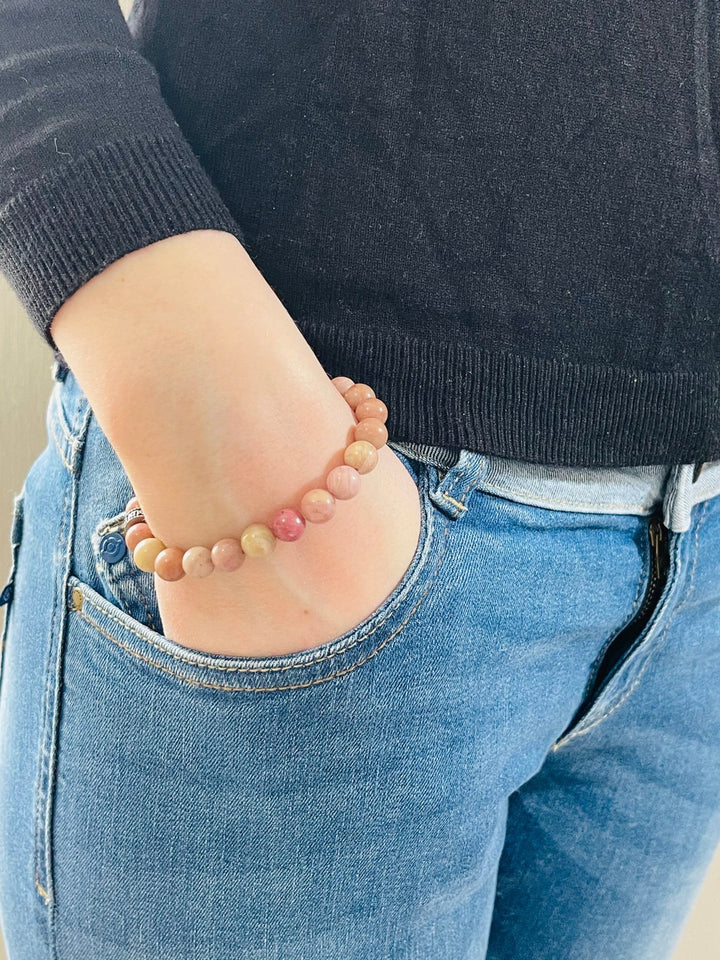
(25, 385)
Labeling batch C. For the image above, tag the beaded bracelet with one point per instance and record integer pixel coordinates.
(258, 539)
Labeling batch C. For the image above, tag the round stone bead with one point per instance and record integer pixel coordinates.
(197, 562)
(288, 525)
(136, 533)
(318, 505)
(342, 384)
(257, 540)
(361, 455)
(132, 504)
(145, 553)
(227, 554)
(343, 482)
(168, 564)
(357, 393)
(372, 408)
(372, 430)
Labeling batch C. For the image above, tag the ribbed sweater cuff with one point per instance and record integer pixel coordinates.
(60, 231)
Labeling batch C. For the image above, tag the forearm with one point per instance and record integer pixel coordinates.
(221, 414)
(203, 384)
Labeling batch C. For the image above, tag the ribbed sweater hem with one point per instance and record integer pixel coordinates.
(526, 408)
(60, 231)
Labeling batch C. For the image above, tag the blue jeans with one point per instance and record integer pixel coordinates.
(517, 755)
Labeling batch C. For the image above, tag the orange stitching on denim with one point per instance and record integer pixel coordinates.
(276, 669)
(295, 686)
(460, 506)
(458, 503)
(648, 657)
(42, 891)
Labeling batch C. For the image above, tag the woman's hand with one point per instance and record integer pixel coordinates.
(308, 592)
(220, 414)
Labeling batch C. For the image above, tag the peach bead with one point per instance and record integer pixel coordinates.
(257, 540)
(361, 455)
(132, 504)
(318, 505)
(357, 393)
(136, 533)
(145, 553)
(343, 482)
(227, 554)
(288, 525)
(372, 408)
(168, 564)
(342, 384)
(197, 562)
(373, 430)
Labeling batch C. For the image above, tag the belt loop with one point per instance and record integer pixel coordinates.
(455, 486)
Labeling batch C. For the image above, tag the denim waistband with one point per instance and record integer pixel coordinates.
(636, 490)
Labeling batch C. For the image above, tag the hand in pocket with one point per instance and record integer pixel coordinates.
(309, 592)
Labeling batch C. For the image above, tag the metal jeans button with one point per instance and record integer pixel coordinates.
(112, 547)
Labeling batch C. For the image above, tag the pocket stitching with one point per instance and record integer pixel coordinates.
(293, 666)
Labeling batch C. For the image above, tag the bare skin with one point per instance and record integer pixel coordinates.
(220, 414)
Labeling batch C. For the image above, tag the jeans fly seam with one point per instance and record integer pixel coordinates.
(637, 600)
(295, 686)
(651, 650)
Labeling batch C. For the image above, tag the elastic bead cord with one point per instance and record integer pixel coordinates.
(258, 539)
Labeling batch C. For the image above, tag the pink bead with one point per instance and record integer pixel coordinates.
(372, 408)
(318, 505)
(357, 393)
(343, 482)
(136, 533)
(342, 384)
(288, 525)
(372, 430)
(168, 564)
(227, 555)
(197, 562)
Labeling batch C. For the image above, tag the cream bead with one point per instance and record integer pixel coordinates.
(362, 455)
(257, 540)
(145, 552)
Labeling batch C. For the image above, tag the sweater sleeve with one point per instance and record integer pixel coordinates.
(93, 164)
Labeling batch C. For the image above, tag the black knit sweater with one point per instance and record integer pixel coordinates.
(503, 216)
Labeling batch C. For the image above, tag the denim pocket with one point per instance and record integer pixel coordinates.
(124, 611)
(6, 597)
